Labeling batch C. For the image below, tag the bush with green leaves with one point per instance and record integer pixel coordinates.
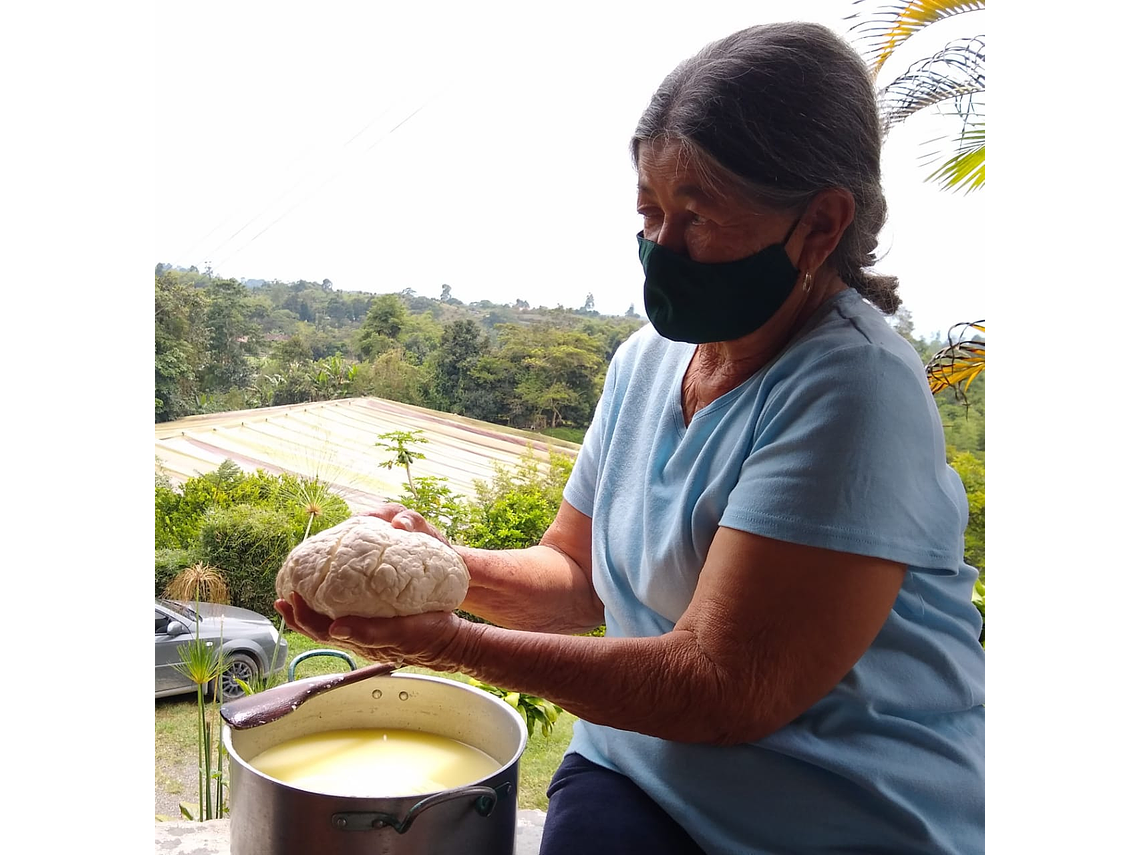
(201, 521)
(972, 470)
(533, 709)
(168, 563)
(435, 501)
(178, 512)
(249, 544)
(516, 508)
(513, 511)
(310, 503)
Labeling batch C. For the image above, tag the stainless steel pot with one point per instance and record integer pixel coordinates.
(268, 817)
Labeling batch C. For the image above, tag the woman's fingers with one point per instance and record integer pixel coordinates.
(379, 632)
(415, 639)
(300, 618)
(406, 519)
(386, 511)
(285, 609)
(315, 623)
(413, 521)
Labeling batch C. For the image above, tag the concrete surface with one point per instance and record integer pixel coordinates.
(213, 837)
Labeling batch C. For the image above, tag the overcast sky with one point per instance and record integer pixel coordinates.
(484, 146)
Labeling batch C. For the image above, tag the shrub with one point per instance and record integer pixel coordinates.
(178, 513)
(449, 513)
(172, 529)
(309, 502)
(517, 507)
(249, 544)
(972, 471)
(168, 563)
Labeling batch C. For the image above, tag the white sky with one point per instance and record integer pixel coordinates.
(279, 154)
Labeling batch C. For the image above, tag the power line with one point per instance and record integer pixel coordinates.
(321, 186)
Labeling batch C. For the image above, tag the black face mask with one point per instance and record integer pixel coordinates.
(697, 302)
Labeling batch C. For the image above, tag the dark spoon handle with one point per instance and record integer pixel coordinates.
(272, 704)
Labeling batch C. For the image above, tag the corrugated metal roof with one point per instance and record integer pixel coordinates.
(335, 441)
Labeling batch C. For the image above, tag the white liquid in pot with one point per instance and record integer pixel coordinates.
(374, 763)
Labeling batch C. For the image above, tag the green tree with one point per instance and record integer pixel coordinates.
(337, 310)
(392, 376)
(249, 542)
(489, 393)
(954, 77)
(295, 385)
(420, 336)
(180, 346)
(297, 348)
(243, 524)
(382, 325)
(332, 378)
(231, 336)
(434, 499)
(460, 346)
(262, 388)
(559, 373)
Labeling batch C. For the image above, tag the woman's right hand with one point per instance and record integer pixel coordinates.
(406, 519)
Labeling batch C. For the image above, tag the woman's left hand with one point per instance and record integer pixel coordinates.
(428, 640)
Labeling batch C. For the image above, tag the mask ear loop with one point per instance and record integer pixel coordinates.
(807, 283)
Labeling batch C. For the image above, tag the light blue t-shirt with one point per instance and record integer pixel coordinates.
(838, 444)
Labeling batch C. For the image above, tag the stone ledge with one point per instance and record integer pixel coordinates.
(213, 837)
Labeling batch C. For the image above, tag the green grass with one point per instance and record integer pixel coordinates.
(569, 434)
(176, 734)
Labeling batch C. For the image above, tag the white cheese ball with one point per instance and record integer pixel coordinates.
(367, 568)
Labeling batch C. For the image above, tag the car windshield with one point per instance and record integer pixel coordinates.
(185, 611)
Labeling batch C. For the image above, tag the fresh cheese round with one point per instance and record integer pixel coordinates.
(367, 568)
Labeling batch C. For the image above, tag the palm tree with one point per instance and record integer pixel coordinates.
(954, 77)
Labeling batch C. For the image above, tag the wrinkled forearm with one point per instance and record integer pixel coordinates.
(539, 589)
(756, 647)
(663, 686)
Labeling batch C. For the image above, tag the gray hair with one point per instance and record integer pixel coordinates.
(777, 113)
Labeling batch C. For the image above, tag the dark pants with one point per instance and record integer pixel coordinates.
(594, 811)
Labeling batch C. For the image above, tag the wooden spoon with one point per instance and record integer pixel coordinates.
(272, 704)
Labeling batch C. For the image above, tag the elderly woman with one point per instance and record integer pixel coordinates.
(762, 514)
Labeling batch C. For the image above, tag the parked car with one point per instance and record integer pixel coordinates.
(250, 641)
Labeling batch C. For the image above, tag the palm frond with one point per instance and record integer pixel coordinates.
(957, 72)
(966, 168)
(892, 24)
(960, 362)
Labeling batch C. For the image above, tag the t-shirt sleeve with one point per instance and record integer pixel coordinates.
(582, 484)
(844, 456)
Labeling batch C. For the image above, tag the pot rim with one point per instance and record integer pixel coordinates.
(516, 717)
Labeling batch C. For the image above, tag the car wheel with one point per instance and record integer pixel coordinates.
(241, 667)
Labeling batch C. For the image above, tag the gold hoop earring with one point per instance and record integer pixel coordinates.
(807, 283)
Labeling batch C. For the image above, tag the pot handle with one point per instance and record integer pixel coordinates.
(485, 800)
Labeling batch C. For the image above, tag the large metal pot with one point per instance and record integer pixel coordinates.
(268, 817)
